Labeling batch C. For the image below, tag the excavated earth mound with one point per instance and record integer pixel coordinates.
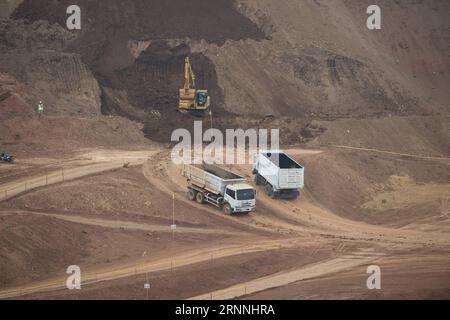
(266, 63)
(136, 52)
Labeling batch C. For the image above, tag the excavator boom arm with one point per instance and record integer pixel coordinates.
(189, 77)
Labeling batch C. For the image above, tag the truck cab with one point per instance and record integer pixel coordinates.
(219, 187)
(239, 198)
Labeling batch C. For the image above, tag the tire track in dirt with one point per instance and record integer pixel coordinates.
(95, 163)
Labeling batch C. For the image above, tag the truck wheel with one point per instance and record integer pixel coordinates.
(227, 209)
(200, 197)
(191, 194)
(269, 191)
(257, 180)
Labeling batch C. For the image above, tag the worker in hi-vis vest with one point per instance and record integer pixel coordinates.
(40, 108)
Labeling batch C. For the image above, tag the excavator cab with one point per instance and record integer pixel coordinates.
(202, 99)
(192, 100)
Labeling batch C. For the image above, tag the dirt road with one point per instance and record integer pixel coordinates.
(284, 278)
(89, 163)
(117, 272)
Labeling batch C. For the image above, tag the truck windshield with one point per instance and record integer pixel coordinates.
(246, 194)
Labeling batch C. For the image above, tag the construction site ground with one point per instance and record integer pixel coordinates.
(114, 222)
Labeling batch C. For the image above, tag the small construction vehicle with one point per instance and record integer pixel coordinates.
(192, 100)
(281, 176)
(219, 187)
(5, 157)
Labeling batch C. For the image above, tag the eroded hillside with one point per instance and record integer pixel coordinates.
(299, 62)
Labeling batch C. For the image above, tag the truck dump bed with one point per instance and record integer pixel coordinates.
(282, 161)
(211, 178)
(281, 171)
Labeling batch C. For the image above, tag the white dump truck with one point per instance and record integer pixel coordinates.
(281, 176)
(219, 187)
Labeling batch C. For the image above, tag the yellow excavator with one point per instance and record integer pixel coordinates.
(192, 100)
